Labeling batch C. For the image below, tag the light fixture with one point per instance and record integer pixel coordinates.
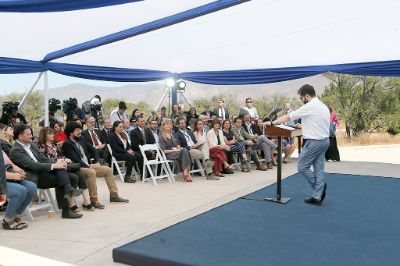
(170, 82)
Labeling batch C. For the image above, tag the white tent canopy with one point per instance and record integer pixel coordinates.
(256, 34)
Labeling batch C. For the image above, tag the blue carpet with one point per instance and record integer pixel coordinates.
(358, 224)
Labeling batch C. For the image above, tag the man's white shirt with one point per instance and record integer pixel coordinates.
(115, 116)
(314, 117)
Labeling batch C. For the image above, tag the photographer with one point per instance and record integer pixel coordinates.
(10, 115)
(73, 112)
(92, 108)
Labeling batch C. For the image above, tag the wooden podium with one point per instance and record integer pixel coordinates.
(274, 131)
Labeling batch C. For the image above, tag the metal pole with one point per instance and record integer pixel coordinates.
(30, 90)
(186, 99)
(279, 177)
(46, 100)
(162, 99)
(174, 95)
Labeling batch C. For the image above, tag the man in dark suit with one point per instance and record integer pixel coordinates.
(95, 137)
(107, 128)
(42, 171)
(78, 150)
(208, 112)
(140, 136)
(221, 111)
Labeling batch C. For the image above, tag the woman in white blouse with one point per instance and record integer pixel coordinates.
(215, 139)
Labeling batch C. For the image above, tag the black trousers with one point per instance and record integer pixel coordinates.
(130, 160)
(77, 180)
(57, 179)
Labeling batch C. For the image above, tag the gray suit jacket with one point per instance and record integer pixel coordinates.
(3, 180)
(243, 134)
(21, 158)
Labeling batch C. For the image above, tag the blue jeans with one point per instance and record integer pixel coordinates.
(19, 197)
(313, 153)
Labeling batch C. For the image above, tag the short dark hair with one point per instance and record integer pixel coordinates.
(306, 89)
(19, 130)
(237, 118)
(70, 128)
(122, 105)
(179, 120)
(214, 122)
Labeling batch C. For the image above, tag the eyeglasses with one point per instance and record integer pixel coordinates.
(249, 101)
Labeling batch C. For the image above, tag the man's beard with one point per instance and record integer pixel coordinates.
(305, 101)
(76, 138)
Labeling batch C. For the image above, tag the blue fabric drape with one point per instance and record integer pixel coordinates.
(108, 73)
(144, 28)
(19, 66)
(270, 75)
(56, 5)
(229, 77)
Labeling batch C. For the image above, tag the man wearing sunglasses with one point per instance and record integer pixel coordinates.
(249, 109)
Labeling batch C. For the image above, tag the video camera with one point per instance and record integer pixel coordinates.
(69, 105)
(93, 109)
(54, 105)
(8, 109)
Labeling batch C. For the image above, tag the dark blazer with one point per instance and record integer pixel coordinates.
(182, 138)
(211, 113)
(86, 135)
(216, 112)
(72, 152)
(21, 158)
(116, 144)
(105, 134)
(137, 138)
(3, 180)
(254, 128)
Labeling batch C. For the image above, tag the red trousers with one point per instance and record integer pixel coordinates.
(217, 153)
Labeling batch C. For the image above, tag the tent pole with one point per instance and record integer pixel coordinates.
(30, 90)
(46, 100)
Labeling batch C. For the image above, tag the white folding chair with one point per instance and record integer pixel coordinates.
(119, 165)
(45, 201)
(152, 165)
(200, 167)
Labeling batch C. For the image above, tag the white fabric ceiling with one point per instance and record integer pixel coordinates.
(257, 34)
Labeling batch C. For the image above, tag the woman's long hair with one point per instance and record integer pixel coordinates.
(43, 133)
(162, 131)
(3, 135)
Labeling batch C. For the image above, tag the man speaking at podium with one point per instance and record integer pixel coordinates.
(314, 117)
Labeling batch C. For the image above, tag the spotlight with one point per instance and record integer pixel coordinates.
(170, 82)
(181, 85)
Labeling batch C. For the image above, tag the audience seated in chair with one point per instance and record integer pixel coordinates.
(7, 141)
(78, 150)
(215, 139)
(96, 138)
(122, 151)
(199, 150)
(51, 151)
(236, 146)
(45, 173)
(18, 191)
(241, 135)
(173, 150)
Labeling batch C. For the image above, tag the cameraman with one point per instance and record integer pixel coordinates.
(74, 111)
(11, 116)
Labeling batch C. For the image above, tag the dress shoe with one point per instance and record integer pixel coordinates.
(227, 171)
(313, 201)
(262, 167)
(68, 214)
(88, 207)
(127, 179)
(72, 193)
(75, 209)
(270, 166)
(118, 200)
(324, 192)
(98, 205)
